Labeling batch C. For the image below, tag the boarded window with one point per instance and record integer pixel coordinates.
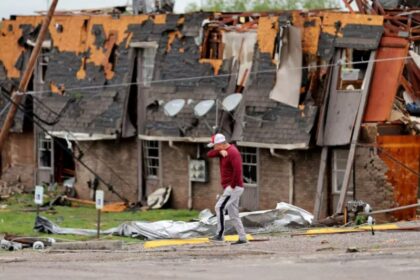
(249, 165)
(151, 157)
(44, 152)
(339, 168)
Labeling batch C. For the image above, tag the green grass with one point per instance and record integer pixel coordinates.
(14, 220)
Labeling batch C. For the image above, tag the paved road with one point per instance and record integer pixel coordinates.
(384, 256)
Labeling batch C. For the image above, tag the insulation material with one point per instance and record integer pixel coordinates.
(330, 21)
(240, 46)
(267, 30)
(289, 74)
(10, 50)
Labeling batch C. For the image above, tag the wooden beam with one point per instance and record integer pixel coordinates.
(320, 183)
(356, 131)
(23, 85)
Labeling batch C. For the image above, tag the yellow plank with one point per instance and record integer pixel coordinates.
(191, 241)
(348, 230)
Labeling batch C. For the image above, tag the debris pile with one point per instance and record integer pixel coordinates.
(283, 217)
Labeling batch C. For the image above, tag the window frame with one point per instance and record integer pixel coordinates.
(245, 163)
(147, 159)
(40, 149)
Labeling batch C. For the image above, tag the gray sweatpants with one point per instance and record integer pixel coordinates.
(230, 200)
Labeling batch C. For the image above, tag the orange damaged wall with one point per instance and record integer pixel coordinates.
(10, 50)
(329, 20)
(76, 36)
(401, 154)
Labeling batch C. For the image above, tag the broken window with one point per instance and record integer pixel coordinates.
(212, 46)
(42, 65)
(152, 158)
(249, 165)
(354, 64)
(44, 152)
(339, 162)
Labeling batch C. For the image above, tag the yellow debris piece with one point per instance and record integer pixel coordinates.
(352, 229)
(179, 242)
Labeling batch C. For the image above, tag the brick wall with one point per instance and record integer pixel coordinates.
(175, 174)
(371, 182)
(372, 185)
(110, 159)
(273, 178)
(18, 162)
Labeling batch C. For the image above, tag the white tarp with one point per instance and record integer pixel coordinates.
(289, 75)
(284, 217)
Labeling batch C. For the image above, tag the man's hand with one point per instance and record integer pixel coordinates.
(223, 153)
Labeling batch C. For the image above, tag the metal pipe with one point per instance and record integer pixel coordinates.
(172, 146)
(190, 200)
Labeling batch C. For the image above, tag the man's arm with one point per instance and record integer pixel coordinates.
(236, 162)
(213, 153)
(217, 153)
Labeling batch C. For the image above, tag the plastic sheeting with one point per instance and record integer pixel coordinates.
(284, 217)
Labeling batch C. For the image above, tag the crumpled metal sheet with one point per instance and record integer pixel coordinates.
(284, 217)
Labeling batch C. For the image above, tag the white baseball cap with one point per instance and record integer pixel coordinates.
(216, 139)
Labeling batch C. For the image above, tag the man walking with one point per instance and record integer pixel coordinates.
(232, 183)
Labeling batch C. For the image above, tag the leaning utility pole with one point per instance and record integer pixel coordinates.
(23, 85)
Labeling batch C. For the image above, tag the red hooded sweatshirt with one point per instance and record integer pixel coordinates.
(230, 167)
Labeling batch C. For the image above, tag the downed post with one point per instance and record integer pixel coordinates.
(367, 228)
(89, 245)
(191, 241)
(18, 95)
(394, 209)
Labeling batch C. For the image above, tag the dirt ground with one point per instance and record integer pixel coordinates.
(385, 255)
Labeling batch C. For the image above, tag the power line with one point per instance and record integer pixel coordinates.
(339, 63)
(78, 143)
(109, 186)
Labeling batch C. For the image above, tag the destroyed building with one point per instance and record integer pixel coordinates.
(135, 98)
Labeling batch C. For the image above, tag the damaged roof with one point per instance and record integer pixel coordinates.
(92, 61)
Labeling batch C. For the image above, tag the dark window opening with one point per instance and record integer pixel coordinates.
(354, 64)
(212, 46)
(64, 165)
(44, 152)
(132, 99)
(113, 57)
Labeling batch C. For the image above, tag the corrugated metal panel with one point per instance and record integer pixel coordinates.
(342, 111)
(402, 155)
(385, 81)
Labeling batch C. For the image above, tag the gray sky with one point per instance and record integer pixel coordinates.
(25, 7)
